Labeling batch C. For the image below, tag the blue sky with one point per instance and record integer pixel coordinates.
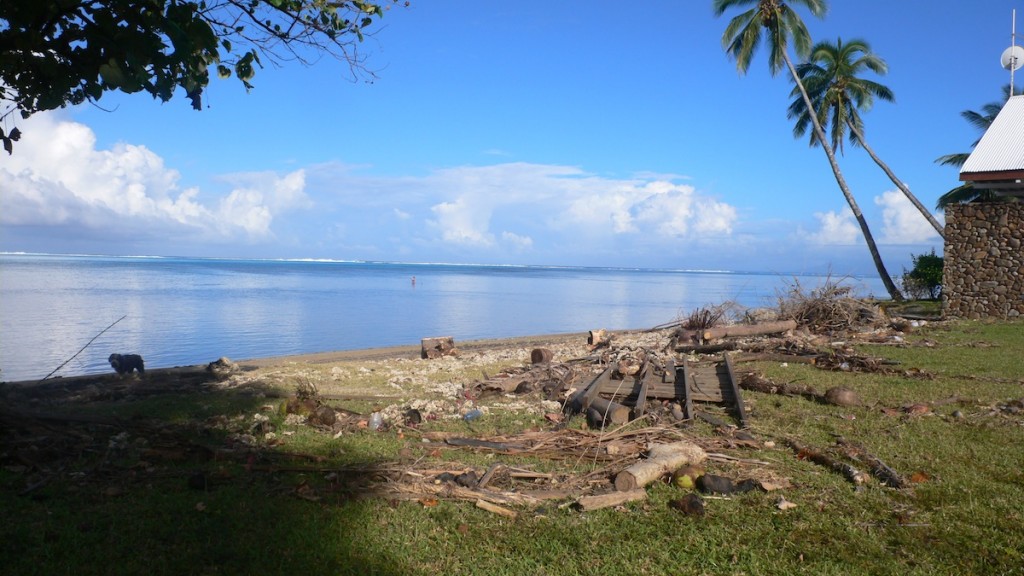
(578, 132)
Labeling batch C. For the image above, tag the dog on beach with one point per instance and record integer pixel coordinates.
(124, 364)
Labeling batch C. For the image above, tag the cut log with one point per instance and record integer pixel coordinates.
(598, 338)
(611, 412)
(661, 459)
(436, 347)
(749, 329)
(587, 503)
(541, 356)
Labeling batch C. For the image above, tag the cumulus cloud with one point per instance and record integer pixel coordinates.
(902, 223)
(464, 221)
(57, 177)
(566, 198)
(836, 228)
(59, 181)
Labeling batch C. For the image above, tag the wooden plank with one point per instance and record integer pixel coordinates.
(583, 397)
(735, 385)
(687, 401)
(646, 375)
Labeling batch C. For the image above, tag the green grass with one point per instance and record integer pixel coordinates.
(116, 513)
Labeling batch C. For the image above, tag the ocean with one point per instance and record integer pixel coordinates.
(187, 311)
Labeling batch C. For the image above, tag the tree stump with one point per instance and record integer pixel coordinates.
(437, 347)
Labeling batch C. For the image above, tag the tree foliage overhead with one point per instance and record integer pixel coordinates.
(59, 52)
(832, 79)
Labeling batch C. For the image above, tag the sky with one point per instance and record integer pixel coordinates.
(569, 133)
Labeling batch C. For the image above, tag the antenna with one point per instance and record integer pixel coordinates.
(1013, 57)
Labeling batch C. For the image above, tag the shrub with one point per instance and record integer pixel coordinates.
(924, 281)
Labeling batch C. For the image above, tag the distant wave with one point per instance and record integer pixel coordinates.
(552, 267)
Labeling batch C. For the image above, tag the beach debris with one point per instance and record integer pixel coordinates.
(222, 367)
(828, 309)
(598, 339)
(690, 505)
(783, 504)
(714, 484)
(756, 382)
(879, 469)
(842, 396)
(822, 459)
(438, 346)
(739, 330)
(609, 499)
(661, 460)
(541, 356)
(686, 477)
(496, 509)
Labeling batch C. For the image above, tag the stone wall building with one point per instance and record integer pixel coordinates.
(983, 266)
(983, 270)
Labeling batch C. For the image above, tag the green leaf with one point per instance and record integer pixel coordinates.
(223, 71)
(111, 74)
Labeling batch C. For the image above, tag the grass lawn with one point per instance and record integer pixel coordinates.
(140, 485)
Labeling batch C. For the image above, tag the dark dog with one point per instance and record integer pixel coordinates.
(125, 363)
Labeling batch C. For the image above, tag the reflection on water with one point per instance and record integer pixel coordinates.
(186, 311)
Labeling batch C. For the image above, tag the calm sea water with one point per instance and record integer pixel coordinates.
(181, 311)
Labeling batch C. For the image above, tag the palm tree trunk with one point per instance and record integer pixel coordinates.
(899, 183)
(890, 286)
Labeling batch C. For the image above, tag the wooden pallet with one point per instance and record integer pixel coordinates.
(708, 382)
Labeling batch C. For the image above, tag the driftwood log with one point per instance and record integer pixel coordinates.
(749, 329)
(661, 459)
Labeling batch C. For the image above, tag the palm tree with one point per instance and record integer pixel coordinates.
(830, 77)
(980, 120)
(780, 24)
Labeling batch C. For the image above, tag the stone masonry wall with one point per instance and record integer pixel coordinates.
(983, 271)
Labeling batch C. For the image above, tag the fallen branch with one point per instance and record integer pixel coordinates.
(82, 349)
(757, 383)
(879, 469)
(588, 503)
(485, 505)
(822, 459)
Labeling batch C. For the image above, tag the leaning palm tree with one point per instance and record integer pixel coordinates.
(780, 24)
(980, 120)
(831, 79)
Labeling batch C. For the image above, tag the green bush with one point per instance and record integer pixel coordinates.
(924, 281)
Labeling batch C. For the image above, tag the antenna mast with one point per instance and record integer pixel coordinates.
(1013, 43)
(1013, 57)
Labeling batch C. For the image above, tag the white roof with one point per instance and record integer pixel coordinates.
(1001, 149)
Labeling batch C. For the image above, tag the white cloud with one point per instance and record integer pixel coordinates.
(57, 176)
(59, 181)
(564, 199)
(517, 241)
(902, 222)
(837, 228)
